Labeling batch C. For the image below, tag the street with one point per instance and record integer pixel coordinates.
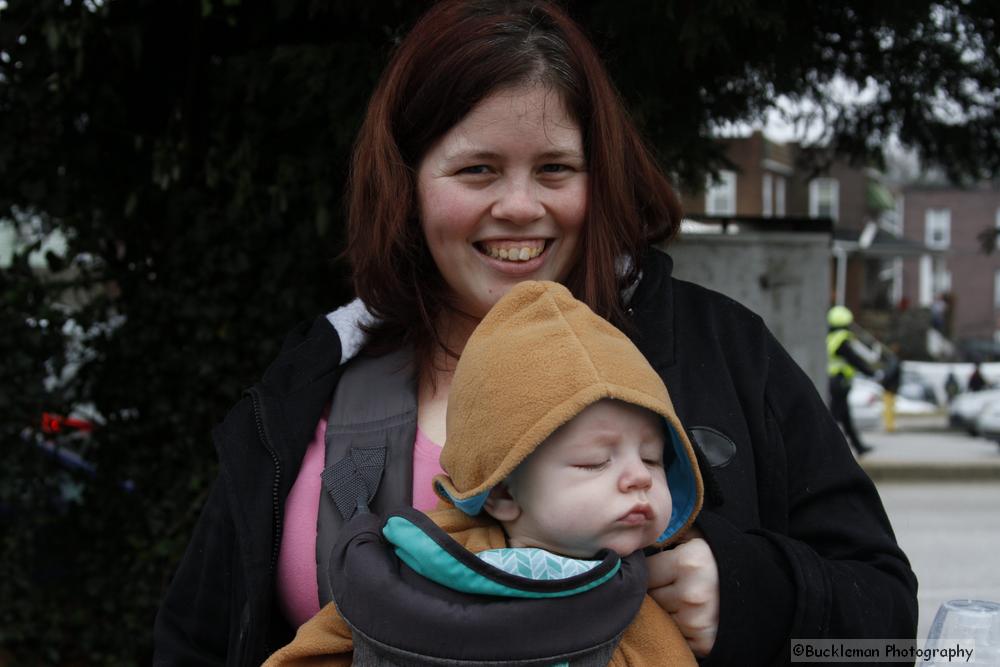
(949, 528)
(951, 533)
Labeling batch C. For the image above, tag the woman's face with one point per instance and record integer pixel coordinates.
(503, 196)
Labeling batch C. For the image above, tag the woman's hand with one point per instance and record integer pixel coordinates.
(684, 581)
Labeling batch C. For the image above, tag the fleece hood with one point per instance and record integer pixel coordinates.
(537, 360)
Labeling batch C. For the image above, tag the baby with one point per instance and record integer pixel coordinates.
(598, 482)
(564, 459)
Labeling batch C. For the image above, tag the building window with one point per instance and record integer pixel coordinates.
(779, 196)
(766, 195)
(720, 195)
(824, 198)
(937, 227)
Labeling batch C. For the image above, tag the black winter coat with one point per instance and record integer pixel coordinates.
(803, 544)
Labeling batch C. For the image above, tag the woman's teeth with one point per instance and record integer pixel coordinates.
(514, 253)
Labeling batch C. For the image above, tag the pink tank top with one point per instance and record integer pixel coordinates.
(426, 464)
(298, 594)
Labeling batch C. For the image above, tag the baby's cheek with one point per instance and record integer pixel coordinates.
(578, 521)
(663, 501)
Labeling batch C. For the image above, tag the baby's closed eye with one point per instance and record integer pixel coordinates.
(592, 465)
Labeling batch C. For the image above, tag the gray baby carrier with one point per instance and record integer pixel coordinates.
(413, 596)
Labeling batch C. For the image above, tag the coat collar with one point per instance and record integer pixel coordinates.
(652, 310)
(297, 387)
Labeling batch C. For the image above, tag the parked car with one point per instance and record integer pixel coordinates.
(988, 420)
(865, 403)
(917, 388)
(985, 349)
(965, 408)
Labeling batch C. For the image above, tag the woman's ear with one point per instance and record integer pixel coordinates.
(501, 505)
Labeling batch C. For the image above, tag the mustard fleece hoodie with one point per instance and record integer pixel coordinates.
(537, 359)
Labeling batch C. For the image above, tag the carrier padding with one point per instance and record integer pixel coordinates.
(431, 552)
(370, 653)
(397, 614)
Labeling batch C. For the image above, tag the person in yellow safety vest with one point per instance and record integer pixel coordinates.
(842, 363)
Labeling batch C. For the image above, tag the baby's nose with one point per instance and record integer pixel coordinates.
(636, 475)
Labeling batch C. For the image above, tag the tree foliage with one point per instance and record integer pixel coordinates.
(193, 154)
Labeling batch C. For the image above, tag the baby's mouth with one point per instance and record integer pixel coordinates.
(639, 514)
(512, 251)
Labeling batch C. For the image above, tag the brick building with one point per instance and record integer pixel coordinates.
(762, 184)
(766, 183)
(949, 219)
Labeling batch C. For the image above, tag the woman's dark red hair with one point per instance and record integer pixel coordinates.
(456, 55)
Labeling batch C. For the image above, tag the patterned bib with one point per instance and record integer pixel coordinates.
(537, 564)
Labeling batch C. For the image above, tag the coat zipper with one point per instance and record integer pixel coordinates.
(275, 496)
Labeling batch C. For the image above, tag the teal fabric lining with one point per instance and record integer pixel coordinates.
(425, 556)
(471, 505)
(680, 481)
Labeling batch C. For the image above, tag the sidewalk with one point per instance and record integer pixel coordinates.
(924, 449)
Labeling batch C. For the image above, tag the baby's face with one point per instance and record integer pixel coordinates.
(597, 482)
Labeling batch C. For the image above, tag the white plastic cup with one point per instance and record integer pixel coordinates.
(968, 621)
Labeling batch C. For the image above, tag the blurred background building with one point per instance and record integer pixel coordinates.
(905, 255)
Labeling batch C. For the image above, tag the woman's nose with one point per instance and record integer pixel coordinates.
(518, 203)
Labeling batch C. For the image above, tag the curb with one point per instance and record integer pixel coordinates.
(918, 471)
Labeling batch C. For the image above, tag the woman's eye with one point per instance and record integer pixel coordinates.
(475, 170)
(554, 168)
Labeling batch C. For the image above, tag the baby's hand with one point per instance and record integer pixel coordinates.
(684, 581)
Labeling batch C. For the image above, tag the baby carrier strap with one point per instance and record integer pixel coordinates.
(353, 481)
(369, 448)
(399, 616)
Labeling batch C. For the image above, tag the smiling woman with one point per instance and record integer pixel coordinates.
(496, 206)
(509, 109)
(495, 150)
